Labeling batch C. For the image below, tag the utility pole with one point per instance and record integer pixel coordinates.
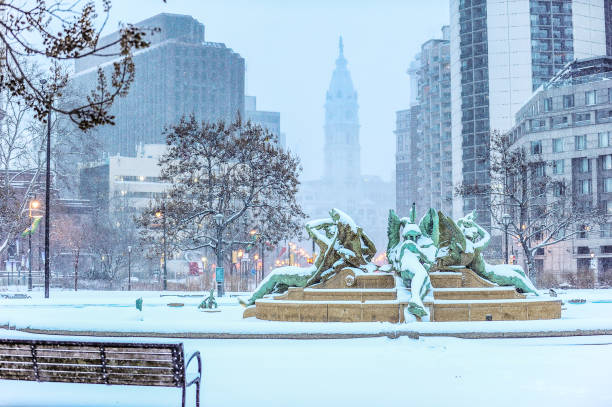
(47, 200)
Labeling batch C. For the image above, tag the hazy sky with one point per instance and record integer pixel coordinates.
(290, 48)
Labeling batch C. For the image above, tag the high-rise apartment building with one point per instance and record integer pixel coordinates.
(423, 132)
(434, 122)
(501, 51)
(568, 125)
(608, 16)
(410, 170)
(179, 74)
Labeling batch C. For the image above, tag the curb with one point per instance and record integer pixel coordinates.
(313, 336)
(204, 335)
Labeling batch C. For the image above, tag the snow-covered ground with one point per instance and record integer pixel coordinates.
(115, 312)
(430, 371)
(433, 371)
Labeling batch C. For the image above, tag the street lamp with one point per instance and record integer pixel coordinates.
(219, 252)
(47, 196)
(162, 215)
(506, 219)
(129, 268)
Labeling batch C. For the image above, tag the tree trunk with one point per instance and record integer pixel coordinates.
(76, 270)
(532, 272)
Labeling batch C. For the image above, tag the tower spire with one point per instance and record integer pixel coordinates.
(340, 48)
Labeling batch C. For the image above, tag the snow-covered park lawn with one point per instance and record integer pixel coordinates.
(106, 311)
(432, 371)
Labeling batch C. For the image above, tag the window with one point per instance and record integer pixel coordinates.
(583, 165)
(608, 206)
(536, 147)
(580, 142)
(606, 162)
(582, 117)
(558, 189)
(606, 230)
(547, 104)
(568, 101)
(557, 145)
(604, 139)
(590, 97)
(607, 185)
(584, 187)
(558, 166)
(559, 121)
(538, 170)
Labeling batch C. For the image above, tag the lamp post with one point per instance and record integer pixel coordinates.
(506, 219)
(129, 268)
(162, 215)
(47, 197)
(219, 252)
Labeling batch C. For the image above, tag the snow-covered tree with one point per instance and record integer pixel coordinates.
(227, 179)
(541, 209)
(62, 32)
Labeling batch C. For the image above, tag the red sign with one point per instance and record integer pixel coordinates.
(194, 270)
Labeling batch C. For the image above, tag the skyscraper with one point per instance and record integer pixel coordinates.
(501, 51)
(179, 74)
(342, 161)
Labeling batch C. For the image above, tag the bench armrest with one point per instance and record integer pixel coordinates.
(198, 379)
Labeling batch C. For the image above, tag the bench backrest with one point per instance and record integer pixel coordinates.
(141, 364)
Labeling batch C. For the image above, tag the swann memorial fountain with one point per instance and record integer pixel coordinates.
(436, 272)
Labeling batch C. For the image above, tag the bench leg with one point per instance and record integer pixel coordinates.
(198, 394)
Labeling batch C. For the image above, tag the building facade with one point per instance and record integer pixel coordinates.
(434, 122)
(568, 122)
(367, 199)
(268, 120)
(405, 182)
(120, 182)
(502, 51)
(423, 132)
(178, 74)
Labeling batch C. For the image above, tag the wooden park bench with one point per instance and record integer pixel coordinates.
(132, 364)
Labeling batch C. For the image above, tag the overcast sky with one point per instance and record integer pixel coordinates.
(290, 48)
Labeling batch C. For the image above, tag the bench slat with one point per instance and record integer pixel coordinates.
(134, 356)
(139, 362)
(17, 365)
(16, 358)
(20, 352)
(71, 353)
(140, 370)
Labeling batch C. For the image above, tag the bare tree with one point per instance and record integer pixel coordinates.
(226, 180)
(60, 32)
(542, 210)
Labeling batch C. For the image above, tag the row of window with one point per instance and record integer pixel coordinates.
(591, 97)
(136, 178)
(585, 186)
(582, 165)
(604, 139)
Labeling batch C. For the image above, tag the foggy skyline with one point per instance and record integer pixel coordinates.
(290, 73)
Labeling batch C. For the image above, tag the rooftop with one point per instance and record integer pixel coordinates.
(581, 71)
